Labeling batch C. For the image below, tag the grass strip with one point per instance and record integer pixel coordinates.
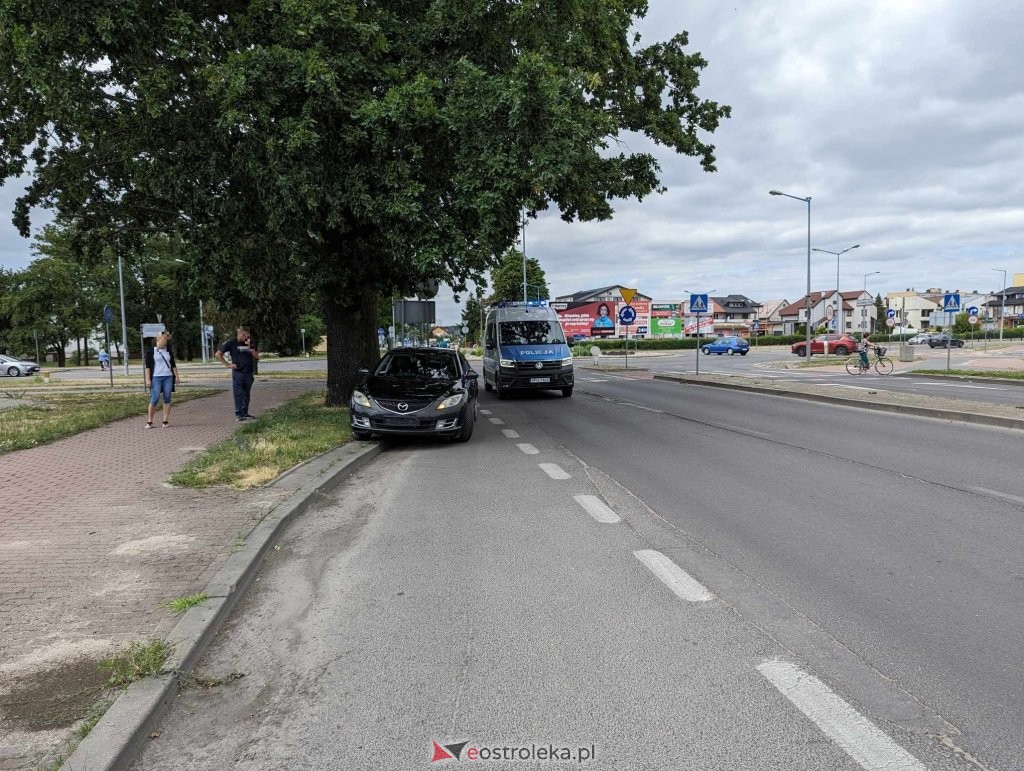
(1003, 374)
(135, 662)
(263, 449)
(50, 417)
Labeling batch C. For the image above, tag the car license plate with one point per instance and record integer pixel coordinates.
(401, 422)
(540, 380)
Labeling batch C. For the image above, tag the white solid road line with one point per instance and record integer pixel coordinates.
(553, 470)
(497, 421)
(682, 584)
(510, 433)
(858, 736)
(529, 449)
(597, 508)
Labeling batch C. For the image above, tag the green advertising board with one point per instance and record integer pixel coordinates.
(665, 320)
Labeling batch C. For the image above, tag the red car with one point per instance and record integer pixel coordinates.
(837, 344)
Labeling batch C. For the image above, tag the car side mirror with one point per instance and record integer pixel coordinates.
(364, 371)
(471, 375)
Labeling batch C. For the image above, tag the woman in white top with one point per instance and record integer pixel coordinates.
(161, 375)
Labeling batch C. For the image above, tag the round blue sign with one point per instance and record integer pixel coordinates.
(108, 314)
(891, 313)
(627, 315)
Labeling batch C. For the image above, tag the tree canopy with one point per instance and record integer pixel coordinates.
(345, 149)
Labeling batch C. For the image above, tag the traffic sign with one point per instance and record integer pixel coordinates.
(627, 315)
(698, 303)
(627, 294)
(890, 313)
(152, 330)
(830, 312)
(972, 311)
(972, 319)
(108, 314)
(756, 324)
(890, 322)
(832, 323)
(951, 303)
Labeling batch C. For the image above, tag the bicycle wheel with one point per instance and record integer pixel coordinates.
(883, 366)
(853, 365)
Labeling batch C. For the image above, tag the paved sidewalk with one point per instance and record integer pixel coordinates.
(92, 543)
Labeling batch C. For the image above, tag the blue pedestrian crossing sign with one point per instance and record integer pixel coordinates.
(698, 303)
(951, 303)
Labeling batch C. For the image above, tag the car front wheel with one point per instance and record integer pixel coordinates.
(842, 350)
(800, 351)
(362, 436)
(707, 351)
(732, 351)
(13, 371)
(467, 427)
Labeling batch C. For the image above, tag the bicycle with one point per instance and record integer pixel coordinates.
(883, 366)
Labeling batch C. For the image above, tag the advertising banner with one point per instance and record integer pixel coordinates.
(642, 325)
(589, 319)
(666, 320)
(707, 325)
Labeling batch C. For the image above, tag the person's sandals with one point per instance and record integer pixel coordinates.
(149, 424)
(165, 424)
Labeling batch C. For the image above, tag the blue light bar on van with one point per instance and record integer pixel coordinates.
(520, 304)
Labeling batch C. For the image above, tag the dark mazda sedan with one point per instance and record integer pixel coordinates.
(426, 391)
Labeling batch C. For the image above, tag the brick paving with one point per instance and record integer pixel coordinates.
(93, 542)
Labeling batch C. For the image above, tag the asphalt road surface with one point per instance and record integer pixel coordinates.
(645, 576)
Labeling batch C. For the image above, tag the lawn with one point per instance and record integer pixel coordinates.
(49, 417)
(263, 449)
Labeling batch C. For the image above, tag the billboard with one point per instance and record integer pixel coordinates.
(666, 319)
(590, 319)
(642, 325)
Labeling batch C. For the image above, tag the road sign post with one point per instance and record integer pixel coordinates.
(698, 305)
(627, 315)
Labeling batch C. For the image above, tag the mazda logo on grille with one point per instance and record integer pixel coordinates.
(403, 406)
(539, 365)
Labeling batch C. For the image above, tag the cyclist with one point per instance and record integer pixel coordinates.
(865, 344)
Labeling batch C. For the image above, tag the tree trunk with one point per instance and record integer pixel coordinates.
(351, 342)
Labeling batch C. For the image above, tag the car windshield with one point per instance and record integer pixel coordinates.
(426, 365)
(529, 332)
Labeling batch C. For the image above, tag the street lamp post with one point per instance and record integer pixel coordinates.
(839, 301)
(863, 315)
(1002, 309)
(807, 302)
(124, 320)
(524, 257)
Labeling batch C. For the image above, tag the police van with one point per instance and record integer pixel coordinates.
(525, 348)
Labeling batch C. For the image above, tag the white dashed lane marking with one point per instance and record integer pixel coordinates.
(486, 412)
(510, 433)
(554, 471)
(858, 736)
(497, 421)
(597, 508)
(529, 449)
(682, 584)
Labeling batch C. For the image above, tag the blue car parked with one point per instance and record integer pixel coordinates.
(729, 345)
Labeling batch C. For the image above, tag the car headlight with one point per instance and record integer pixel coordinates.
(507, 363)
(358, 397)
(450, 402)
(567, 361)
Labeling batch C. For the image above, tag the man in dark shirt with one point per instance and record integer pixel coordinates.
(242, 356)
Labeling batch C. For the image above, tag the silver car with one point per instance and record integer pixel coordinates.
(12, 367)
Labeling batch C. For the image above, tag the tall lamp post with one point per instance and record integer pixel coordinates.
(124, 320)
(524, 256)
(863, 318)
(1002, 309)
(839, 300)
(807, 302)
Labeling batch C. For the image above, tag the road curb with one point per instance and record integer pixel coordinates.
(124, 728)
(901, 409)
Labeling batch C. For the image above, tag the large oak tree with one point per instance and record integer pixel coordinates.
(348, 148)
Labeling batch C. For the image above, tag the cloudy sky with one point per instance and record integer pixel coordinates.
(902, 119)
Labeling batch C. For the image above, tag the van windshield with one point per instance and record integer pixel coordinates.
(531, 332)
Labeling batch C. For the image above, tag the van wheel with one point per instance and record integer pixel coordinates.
(488, 386)
(567, 391)
(497, 387)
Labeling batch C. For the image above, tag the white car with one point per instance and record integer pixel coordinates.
(12, 367)
(921, 339)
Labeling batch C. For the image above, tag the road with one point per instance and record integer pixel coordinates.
(850, 596)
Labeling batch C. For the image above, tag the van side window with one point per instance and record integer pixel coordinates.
(490, 341)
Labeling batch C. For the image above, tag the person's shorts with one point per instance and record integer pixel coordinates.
(161, 385)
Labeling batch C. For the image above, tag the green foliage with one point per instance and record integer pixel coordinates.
(507, 279)
(879, 321)
(135, 662)
(344, 150)
(180, 605)
(961, 326)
